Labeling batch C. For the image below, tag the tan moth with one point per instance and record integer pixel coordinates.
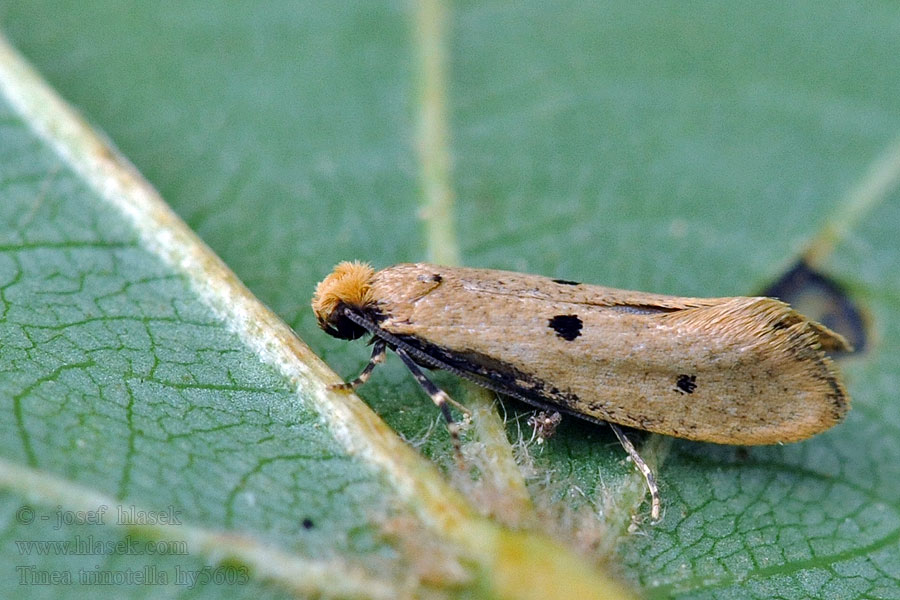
(741, 370)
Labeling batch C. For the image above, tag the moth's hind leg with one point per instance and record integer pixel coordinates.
(643, 467)
(441, 400)
(378, 356)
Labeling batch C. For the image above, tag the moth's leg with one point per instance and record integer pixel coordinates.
(458, 406)
(378, 356)
(643, 468)
(440, 398)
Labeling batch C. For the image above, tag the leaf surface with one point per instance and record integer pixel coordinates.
(695, 151)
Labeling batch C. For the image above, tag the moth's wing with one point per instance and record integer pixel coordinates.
(726, 370)
(400, 280)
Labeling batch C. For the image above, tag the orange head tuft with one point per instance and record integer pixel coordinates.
(349, 285)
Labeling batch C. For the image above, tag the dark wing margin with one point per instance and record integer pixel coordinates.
(480, 369)
(496, 376)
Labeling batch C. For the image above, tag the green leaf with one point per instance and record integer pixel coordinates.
(695, 150)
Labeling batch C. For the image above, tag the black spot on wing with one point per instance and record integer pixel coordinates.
(566, 282)
(686, 384)
(568, 327)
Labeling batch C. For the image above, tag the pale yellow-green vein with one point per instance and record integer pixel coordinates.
(500, 469)
(881, 180)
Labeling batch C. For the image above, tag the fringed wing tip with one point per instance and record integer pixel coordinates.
(777, 329)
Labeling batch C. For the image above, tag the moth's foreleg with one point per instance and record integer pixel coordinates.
(378, 355)
(441, 400)
(643, 468)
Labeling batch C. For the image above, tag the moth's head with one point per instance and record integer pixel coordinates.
(348, 287)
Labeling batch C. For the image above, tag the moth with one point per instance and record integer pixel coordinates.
(741, 370)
